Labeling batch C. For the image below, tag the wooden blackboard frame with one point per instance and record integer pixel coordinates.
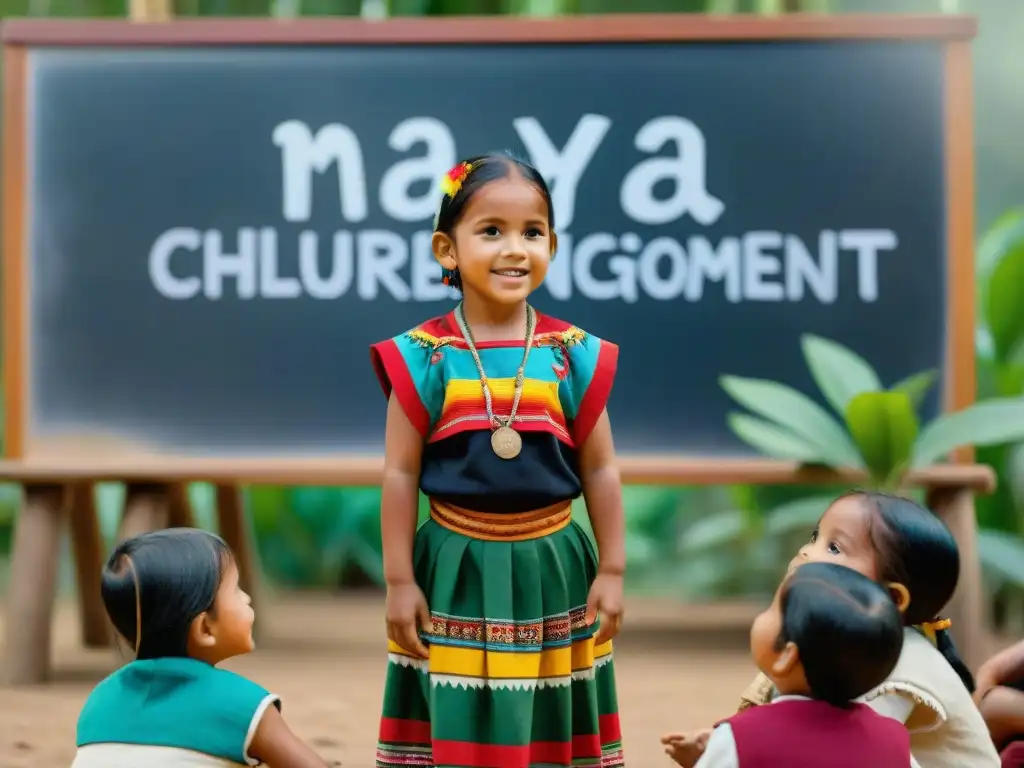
(58, 487)
(952, 32)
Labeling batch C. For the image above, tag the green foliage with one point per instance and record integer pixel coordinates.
(742, 552)
(999, 421)
(1000, 359)
(796, 414)
(884, 428)
(882, 425)
(881, 431)
(839, 373)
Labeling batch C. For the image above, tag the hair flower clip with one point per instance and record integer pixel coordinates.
(452, 181)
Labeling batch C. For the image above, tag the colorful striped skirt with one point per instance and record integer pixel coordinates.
(514, 679)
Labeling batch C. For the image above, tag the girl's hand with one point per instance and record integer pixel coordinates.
(686, 748)
(605, 599)
(405, 608)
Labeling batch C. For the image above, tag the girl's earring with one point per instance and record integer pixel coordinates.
(450, 277)
(900, 595)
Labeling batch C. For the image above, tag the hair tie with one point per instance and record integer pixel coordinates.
(930, 628)
(138, 603)
(452, 181)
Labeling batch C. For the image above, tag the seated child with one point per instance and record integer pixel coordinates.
(830, 635)
(1000, 696)
(908, 550)
(174, 595)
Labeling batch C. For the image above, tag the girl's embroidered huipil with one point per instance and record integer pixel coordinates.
(514, 677)
(568, 380)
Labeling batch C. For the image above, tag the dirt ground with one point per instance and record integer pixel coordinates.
(678, 667)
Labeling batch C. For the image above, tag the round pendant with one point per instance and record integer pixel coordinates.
(506, 442)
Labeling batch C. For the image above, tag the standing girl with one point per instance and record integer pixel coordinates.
(500, 613)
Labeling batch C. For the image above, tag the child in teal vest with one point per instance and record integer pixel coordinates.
(174, 595)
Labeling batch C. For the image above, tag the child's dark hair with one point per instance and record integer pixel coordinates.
(846, 628)
(155, 584)
(917, 550)
(483, 170)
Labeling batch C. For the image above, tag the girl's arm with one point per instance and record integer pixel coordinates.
(399, 506)
(1006, 666)
(1003, 712)
(275, 745)
(602, 492)
(405, 607)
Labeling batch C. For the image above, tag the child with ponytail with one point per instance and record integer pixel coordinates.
(174, 596)
(907, 549)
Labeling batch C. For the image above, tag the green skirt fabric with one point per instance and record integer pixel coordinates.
(514, 679)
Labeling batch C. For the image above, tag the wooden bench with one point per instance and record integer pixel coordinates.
(156, 498)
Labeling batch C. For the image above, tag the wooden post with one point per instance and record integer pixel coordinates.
(87, 547)
(234, 529)
(35, 555)
(145, 509)
(966, 610)
(179, 507)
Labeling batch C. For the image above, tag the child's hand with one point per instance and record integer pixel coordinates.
(686, 748)
(404, 609)
(605, 599)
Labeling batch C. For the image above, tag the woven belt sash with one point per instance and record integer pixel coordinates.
(490, 526)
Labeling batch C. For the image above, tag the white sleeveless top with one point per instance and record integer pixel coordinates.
(136, 756)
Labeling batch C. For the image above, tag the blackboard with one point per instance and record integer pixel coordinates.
(812, 199)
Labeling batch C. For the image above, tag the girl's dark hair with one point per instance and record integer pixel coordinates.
(917, 550)
(155, 584)
(485, 169)
(846, 628)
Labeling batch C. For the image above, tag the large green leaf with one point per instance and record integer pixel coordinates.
(1004, 232)
(1003, 554)
(916, 386)
(796, 413)
(796, 515)
(884, 427)
(840, 373)
(1004, 305)
(772, 440)
(992, 422)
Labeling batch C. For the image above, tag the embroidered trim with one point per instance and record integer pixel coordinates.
(916, 695)
(502, 527)
(561, 340)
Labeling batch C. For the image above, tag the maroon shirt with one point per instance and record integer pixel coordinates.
(1013, 755)
(802, 733)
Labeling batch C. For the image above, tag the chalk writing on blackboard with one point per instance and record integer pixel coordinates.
(756, 266)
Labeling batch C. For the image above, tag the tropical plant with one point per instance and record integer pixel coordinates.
(878, 429)
(873, 428)
(1000, 358)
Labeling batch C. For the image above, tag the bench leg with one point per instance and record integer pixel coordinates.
(234, 529)
(179, 507)
(145, 509)
(35, 555)
(87, 545)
